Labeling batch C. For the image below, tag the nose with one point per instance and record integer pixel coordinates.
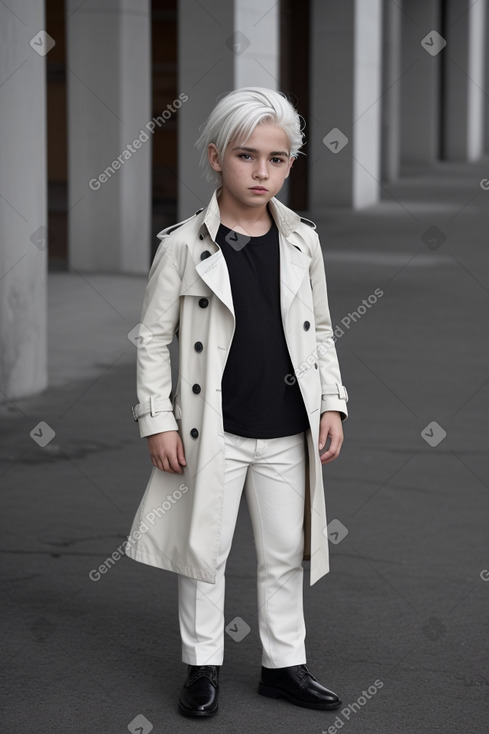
(261, 170)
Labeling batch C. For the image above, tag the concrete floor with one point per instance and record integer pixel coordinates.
(403, 613)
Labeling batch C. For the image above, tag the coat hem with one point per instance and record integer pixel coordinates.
(167, 565)
(317, 574)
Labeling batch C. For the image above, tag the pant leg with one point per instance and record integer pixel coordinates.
(201, 604)
(275, 491)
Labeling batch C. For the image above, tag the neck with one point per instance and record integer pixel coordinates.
(253, 221)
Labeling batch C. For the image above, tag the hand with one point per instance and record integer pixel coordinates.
(330, 427)
(166, 451)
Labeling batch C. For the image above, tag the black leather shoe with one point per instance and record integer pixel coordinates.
(199, 695)
(298, 686)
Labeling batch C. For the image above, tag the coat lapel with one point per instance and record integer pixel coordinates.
(214, 271)
(294, 263)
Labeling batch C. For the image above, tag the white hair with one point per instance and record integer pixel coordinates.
(238, 113)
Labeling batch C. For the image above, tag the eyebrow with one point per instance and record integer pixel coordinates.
(253, 150)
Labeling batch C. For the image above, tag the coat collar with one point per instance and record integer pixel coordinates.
(294, 264)
(286, 220)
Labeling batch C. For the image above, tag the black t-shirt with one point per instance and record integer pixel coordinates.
(258, 400)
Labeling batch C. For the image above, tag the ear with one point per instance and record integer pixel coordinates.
(213, 155)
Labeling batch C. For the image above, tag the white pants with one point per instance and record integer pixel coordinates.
(272, 471)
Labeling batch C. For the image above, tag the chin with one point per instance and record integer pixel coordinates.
(257, 202)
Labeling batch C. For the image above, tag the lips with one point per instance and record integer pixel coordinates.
(261, 189)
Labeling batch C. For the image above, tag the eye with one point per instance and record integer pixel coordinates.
(245, 156)
(278, 160)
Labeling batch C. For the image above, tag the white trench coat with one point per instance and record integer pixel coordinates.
(178, 522)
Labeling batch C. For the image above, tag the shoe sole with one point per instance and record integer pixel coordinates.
(272, 692)
(197, 714)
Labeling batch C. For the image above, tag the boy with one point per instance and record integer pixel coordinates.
(258, 404)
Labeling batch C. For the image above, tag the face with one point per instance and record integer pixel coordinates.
(254, 171)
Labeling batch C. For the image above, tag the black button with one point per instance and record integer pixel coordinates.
(203, 302)
(306, 325)
(196, 389)
(315, 365)
(201, 236)
(198, 346)
(205, 254)
(194, 433)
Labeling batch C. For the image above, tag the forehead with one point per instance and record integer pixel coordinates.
(266, 137)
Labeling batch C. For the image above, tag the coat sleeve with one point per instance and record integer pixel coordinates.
(334, 395)
(159, 322)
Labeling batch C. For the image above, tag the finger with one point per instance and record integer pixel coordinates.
(323, 435)
(333, 446)
(175, 466)
(333, 451)
(181, 454)
(327, 457)
(165, 465)
(167, 468)
(160, 464)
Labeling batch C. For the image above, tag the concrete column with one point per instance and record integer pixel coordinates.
(222, 46)
(420, 98)
(23, 199)
(391, 90)
(109, 144)
(486, 82)
(464, 80)
(344, 126)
